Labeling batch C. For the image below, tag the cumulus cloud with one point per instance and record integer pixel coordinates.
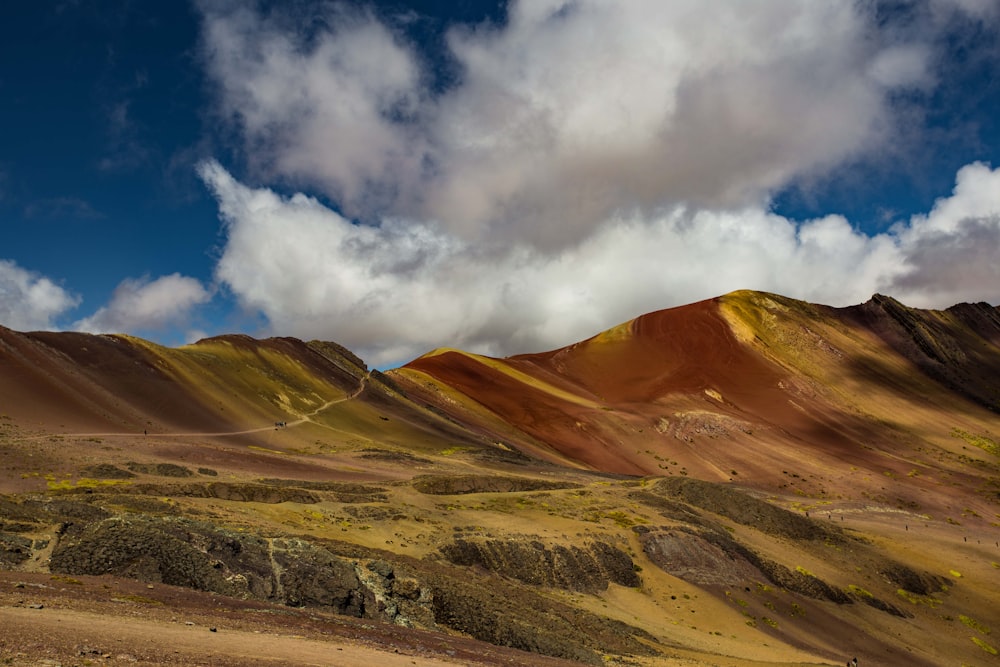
(330, 111)
(953, 253)
(143, 304)
(29, 301)
(593, 160)
(565, 115)
(396, 290)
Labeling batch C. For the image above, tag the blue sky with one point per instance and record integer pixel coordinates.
(501, 177)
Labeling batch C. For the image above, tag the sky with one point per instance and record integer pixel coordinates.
(500, 177)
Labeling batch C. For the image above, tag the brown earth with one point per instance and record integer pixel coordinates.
(750, 480)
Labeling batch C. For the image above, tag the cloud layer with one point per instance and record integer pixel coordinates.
(147, 305)
(568, 114)
(588, 161)
(29, 301)
(397, 290)
(593, 160)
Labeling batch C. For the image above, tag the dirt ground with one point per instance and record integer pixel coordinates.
(58, 620)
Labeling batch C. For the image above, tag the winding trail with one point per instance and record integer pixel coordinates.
(306, 418)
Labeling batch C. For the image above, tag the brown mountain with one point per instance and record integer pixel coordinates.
(747, 480)
(747, 387)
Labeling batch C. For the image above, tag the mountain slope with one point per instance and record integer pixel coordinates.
(749, 387)
(748, 480)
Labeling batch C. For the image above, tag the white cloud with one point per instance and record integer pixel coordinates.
(595, 160)
(568, 114)
(29, 301)
(141, 304)
(326, 112)
(953, 253)
(902, 66)
(394, 291)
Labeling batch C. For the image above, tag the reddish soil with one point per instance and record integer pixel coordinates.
(53, 619)
(667, 362)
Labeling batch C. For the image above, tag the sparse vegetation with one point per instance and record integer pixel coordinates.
(983, 645)
(84, 483)
(857, 591)
(988, 445)
(914, 598)
(974, 624)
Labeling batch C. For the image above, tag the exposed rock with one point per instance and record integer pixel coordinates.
(398, 598)
(745, 509)
(512, 615)
(389, 455)
(695, 559)
(256, 493)
(106, 471)
(589, 569)
(161, 469)
(462, 484)
(49, 511)
(342, 492)
(910, 580)
(14, 549)
(311, 576)
(143, 549)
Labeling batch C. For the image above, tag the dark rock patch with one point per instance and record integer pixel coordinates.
(464, 484)
(746, 510)
(341, 492)
(106, 471)
(511, 615)
(529, 561)
(256, 493)
(160, 469)
(389, 455)
(14, 549)
(695, 559)
(49, 511)
(910, 580)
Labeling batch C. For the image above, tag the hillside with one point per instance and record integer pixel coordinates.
(748, 480)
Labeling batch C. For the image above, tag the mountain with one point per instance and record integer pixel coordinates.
(746, 480)
(747, 388)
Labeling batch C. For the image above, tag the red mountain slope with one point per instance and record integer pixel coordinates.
(769, 390)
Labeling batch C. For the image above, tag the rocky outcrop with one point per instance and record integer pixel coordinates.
(14, 550)
(161, 469)
(341, 492)
(234, 491)
(713, 557)
(463, 484)
(957, 347)
(355, 581)
(500, 612)
(588, 569)
(195, 555)
(745, 509)
(693, 558)
(106, 471)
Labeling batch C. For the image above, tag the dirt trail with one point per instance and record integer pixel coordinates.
(306, 418)
(139, 641)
